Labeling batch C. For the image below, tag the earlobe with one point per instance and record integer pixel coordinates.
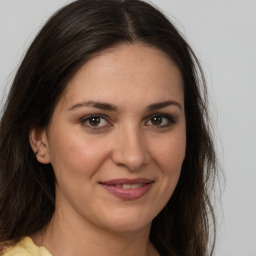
(39, 144)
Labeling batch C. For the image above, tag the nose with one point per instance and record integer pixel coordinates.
(130, 149)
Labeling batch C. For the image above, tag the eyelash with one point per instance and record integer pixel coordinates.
(85, 121)
(168, 118)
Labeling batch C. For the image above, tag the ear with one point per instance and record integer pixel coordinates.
(39, 144)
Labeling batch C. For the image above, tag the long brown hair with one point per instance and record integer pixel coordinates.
(71, 37)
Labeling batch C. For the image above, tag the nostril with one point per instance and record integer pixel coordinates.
(131, 162)
(130, 151)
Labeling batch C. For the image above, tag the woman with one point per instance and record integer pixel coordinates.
(105, 145)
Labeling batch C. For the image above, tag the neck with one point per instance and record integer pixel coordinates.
(67, 237)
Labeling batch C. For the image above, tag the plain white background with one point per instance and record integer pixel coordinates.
(223, 35)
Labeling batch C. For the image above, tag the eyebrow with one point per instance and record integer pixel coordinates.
(164, 104)
(111, 107)
(94, 104)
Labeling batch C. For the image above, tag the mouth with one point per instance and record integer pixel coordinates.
(129, 186)
(128, 189)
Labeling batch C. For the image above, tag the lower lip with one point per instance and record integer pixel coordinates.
(130, 193)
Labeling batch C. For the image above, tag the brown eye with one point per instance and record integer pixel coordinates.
(95, 122)
(156, 120)
(161, 120)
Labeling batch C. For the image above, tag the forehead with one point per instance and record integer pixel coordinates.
(133, 71)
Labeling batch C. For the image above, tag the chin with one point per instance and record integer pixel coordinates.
(128, 222)
(130, 227)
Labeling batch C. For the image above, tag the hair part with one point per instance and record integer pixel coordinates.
(71, 37)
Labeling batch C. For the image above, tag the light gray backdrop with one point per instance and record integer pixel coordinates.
(223, 34)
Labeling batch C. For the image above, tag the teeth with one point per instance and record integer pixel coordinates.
(131, 186)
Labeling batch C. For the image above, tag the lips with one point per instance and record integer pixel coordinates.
(128, 189)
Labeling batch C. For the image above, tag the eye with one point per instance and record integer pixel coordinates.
(95, 122)
(160, 120)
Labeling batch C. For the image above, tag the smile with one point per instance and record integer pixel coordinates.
(128, 189)
(129, 186)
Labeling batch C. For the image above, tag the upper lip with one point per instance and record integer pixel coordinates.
(127, 181)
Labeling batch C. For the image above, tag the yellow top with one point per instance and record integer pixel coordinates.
(25, 247)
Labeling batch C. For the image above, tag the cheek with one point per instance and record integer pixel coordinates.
(170, 153)
(77, 156)
(168, 158)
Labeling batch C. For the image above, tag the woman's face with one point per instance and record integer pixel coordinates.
(117, 139)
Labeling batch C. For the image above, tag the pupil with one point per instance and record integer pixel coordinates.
(94, 121)
(156, 120)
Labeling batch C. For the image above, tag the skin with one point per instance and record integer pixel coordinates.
(124, 143)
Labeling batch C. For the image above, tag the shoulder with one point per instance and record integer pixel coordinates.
(25, 247)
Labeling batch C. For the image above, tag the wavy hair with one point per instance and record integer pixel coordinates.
(73, 35)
